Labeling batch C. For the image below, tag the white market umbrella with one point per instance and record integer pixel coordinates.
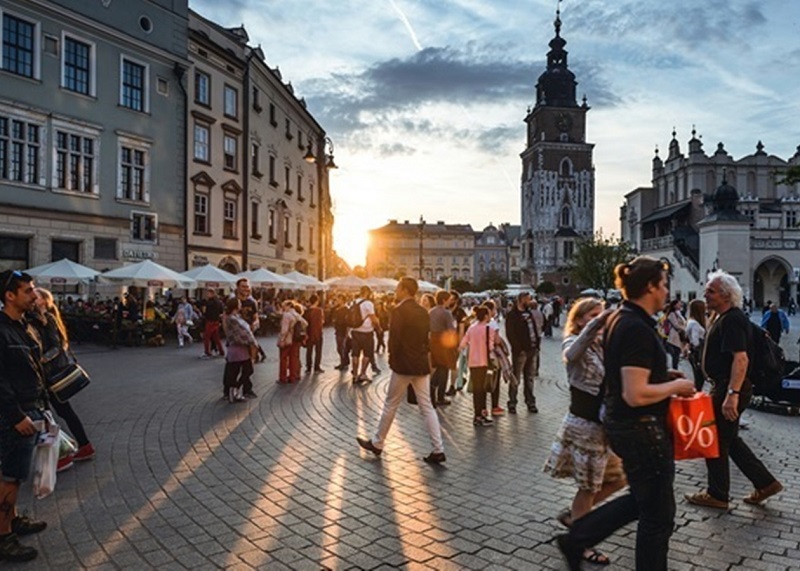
(591, 292)
(63, 272)
(265, 278)
(381, 284)
(149, 274)
(308, 282)
(427, 287)
(346, 282)
(211, 277)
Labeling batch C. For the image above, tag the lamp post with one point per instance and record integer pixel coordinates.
(421, 238)
(327, 162)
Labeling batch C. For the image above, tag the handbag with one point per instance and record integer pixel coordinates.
(694, 428)
(491, 373)
(69, 381)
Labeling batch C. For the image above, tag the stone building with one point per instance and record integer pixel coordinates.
(705, 212)
(258, 176)
(446, 250)
(92, 132)
(557, 190)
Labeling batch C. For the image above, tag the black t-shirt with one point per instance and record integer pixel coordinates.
(249, 310)
(632, 341)
(213, 310)
(728, 334)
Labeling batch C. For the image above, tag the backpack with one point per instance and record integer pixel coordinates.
(354, 318)
(298, 332)
(767, 361)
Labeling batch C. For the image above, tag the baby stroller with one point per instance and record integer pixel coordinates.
(783, 398)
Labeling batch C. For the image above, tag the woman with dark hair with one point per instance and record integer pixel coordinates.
(55, 357)
(677, 331)
(696, 334)
(242, 351)
(489, 304)
(479, 338)
(638, 388)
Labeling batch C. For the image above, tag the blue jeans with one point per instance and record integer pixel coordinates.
(524, 371)
(647, 456)
(16, 450)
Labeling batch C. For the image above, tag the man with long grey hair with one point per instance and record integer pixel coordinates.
(726, 358)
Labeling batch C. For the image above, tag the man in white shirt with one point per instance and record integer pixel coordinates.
(547, 311)
(363, 336)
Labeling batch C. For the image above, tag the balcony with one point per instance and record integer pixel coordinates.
(660, 243)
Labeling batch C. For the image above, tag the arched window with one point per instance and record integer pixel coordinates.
(566, 217)
(565, 168)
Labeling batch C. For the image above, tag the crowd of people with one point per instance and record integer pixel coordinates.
(621, 364)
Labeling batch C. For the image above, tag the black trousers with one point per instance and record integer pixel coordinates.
(66, 412)
(238, 373)
(477, 376)
(439, 384)
(314, 349)
(733, 447)
(646, 452)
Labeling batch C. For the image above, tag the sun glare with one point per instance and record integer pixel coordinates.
(350, 238)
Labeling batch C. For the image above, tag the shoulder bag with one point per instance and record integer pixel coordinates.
(69, 381)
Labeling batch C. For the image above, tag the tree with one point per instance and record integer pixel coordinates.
(595, 259)
(492, 280)
(546, 288)
(790, 175)
(460, 285)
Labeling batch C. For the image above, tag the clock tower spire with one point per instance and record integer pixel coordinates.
(557, 183)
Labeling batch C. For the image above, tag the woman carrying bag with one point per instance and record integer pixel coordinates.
(479, 338)
(56, 357)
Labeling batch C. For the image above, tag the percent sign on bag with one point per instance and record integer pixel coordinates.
(694, 429)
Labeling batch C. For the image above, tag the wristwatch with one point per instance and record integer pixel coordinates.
(733, 392)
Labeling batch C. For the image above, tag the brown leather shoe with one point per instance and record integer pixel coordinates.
(758, 496)
(707, 500)
(367, 444)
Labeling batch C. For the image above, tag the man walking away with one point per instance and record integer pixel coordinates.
(248, 310)
(363, 336)
(212, 316)
(524, 338)
(409, 360)
(444, 344)
(316, 320)
(725, 362)
(22, 404)
(339, 318)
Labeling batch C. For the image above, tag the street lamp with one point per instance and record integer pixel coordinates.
(309, 157)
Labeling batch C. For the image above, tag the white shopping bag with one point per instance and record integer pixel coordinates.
(45, 459)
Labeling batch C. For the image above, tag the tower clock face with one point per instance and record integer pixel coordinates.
(564, 122)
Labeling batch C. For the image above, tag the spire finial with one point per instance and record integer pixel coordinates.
(674, 133)
(694, 131)
(557, 23)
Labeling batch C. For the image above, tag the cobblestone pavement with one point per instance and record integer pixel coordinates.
(184, 480)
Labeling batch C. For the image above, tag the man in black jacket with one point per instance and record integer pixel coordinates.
(410, 363)
(22, 402)
(523, 335)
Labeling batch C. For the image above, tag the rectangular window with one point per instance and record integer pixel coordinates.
(231, 102)
(202, 142)
(144, 227)
(134, 85)
(289, 129)
(19, 46)
(300, 139)
(105, 248)
(273, 115)
(132, 174)
(77, 73)
(272, 180)
(569, 248)
(286, 239)
(254, 222)
(300, 188)
(257, 100)
(311, 239)
(287, 176)
(255, 161)
(69, 249)
(20, 146)
(229, 219)
(202, 88)
(311, 196)
(75, 162)
(201, 213)
(299, 236)
(791, 219)
(229, 147)
(271, 226)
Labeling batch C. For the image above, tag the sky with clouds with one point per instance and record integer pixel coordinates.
(425, 99)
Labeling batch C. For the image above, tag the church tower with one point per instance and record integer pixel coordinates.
(557, 183)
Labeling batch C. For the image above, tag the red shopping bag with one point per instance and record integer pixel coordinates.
(694, 428)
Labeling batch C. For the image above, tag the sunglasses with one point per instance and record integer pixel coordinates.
(16, 274)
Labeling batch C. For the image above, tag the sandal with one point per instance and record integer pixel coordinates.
(565, 518)
(596, 557)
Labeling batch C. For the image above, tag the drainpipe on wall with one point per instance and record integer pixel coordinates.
(180, 73)
(245, 160)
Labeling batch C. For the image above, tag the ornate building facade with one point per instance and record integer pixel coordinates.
(706, 212)
(558, 182)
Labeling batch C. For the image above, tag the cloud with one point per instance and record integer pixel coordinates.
(499, 140)
(388, 93)
(387, 150)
